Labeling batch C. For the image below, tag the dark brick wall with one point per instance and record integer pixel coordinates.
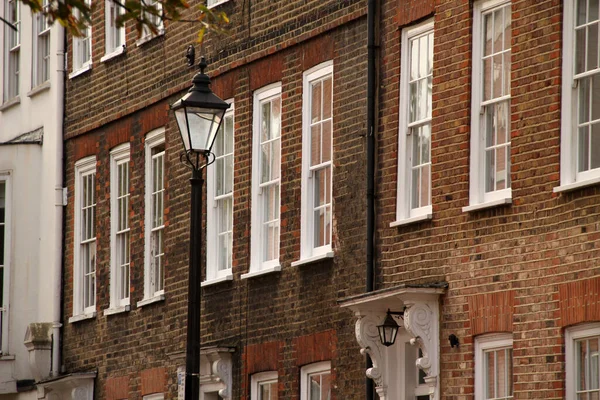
(282, 320)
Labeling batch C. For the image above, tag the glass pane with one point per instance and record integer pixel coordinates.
(228, 184)
(425, 179)
(595, 147)
(415, 188)
(315, 387)
(593, 10)
(490, 375)
(498, 30)
(595, 89)
(502, 121)
(425, 143)
(509, 372)
(265, 121)
(501, 373)
(507, 73)
(580, 47)
(228, 134)
(580, 368)
(593, 363)
(276, 118)
(326, 156)
(490, 178)
(219, 175)
(430, 54)
(488, 27)
(413, 102)
(581, 11)
(507, 28)
(315, 114)
(423, 99)
(497, 76)
(315, 145)
(414, 59)
(266, 159)
(487, 81)
(325, 386)
(327, 97)
(583, 149)
(321, 187)
(584, 100)
(276, 159)
(501, 168)
(423, 56)
(592, 46)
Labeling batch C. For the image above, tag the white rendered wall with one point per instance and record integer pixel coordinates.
(36, 213)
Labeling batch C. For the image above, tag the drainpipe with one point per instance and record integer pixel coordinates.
(60, 77)
(371, 106)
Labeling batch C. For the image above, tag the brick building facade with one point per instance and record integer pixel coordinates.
(486, 204)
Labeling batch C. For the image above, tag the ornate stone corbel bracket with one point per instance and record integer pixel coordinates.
(367, 337)
(222, 369)
(216, 368)
(421, 320)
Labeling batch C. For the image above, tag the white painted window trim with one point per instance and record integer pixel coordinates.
(478, 199)
(79, 69)
(570, 179)
(154, 396)
(307, 249)
(256, 265)
(147, 35)
(214, 3)
(37, 60)
(258, 378)
(5, 176)
(571, 335)
(153, 139)
(306, 371)
(212, 256)
(118, 156)
(9, 52)
(83, 167)
(404, 214)
(483, 343)
(109, 32)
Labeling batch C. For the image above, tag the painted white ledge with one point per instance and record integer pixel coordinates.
(150, 37)
(117, 310)
(82, 317)
(218, 3)
(117, 52)
(209, 282)
(412, 220)
(310, 260)
(488, 204)
(252, 274)
(81, 70)
(9, 103)
(151, 300)
(576, 185)
(39, 89)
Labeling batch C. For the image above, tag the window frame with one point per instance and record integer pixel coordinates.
(404, 213)
(83, 168)
(213, 275)
(494, 341)
(308, 251)
(258, 267)
(478, 197)
(154, 139)
(39, 60)
(80, 66)
(215, 3)
(572, 334)
(261, 377)
(111, 32)
(12, 79)
(5, 176)
(154, 396)
(311, 369)
(147, 35)
(118, 156)
(570, 178)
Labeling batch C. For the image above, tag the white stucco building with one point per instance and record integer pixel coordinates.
(31, 199)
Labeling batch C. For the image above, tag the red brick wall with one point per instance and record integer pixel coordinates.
(491, 312)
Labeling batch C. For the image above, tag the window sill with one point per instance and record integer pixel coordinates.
(488, 204)
(411, 220)
(218, 3)
(210, 282)
(82, 70)
(148, 38)
(7, 357)
(576, 185)
(117, 310)
(309, 260)
(82, 317)
(275, 268)
(43, 87)
(120, 50)
(151, 300)
(10, 103)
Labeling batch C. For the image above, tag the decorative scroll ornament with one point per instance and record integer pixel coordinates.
(222, 369)
(367, 337)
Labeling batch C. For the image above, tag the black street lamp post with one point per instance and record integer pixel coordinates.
(199, 114)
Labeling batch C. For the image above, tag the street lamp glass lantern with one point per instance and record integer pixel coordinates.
(199, 114)
(388, 331)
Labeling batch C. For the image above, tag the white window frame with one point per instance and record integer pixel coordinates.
(215, 3)
(83, 168)
(79, 65)
(213, 275)
(147, 34)
(41, 54)
(154, 396)
(5, 177)
(257, 266)
(153, 139)
(257, 379)
(571, 335)
(118, 156)
(308, 251)
(12, 77)
(478, 198)
(311, 369)
(112, 32)
(570, 178)
(484, 343)
(404, 213)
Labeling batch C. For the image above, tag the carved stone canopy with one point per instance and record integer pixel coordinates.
(215, 370)
(76, 386)
(421, 328)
